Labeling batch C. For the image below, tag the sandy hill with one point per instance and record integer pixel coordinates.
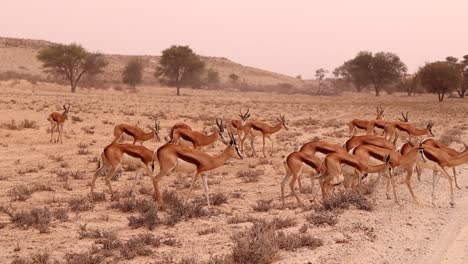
(19, 55)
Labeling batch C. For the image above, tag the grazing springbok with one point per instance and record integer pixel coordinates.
(124, 131)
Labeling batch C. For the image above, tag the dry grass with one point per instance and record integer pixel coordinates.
(263, 206)
(38, 218)
(250, 175)
(321, 218)
(14, 125)
(345, 199)
(23, 192)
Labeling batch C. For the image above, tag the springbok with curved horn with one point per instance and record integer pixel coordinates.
(57, 120)
(253, 129)
(381, 123)
(238, 125)
(171, 156)
(123, 131)
(364, 124)
(197, 139)
(392, 130)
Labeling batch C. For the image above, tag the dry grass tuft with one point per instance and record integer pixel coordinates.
(22, 192)
(262, 206)
(322, 218)
(39, 218)
(250, 175)
(345, 199)
(80, 204)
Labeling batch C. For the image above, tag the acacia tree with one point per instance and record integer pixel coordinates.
(464, 86)
(378, 69)
(385, 68)
(320, 75)
(462, 66)
(71, 62)
(439, 77)
(133, 73)
(178, 66)
(355, 71)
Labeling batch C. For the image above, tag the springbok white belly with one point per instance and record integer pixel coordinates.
(130, 161)
(255, 133)
(184, 166)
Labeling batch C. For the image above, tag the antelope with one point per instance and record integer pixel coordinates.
(136, 133)
(381, 123)
(179, 125)
(393, 158)
(256, 128)
(310, 149)
(171, 156)
(436, 144)
(195, 138)
(368, 140)
(237, 125)
(321, 147)
(364, 124)
(439, 160)
(293, 165)
(332, 170)
(57, 120)
(391, 130)
(115, 155)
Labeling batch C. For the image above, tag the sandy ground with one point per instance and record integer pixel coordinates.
(388, 234)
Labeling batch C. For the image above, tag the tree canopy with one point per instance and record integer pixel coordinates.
(379, 69)
(440, 77)
(178, 66)
(71, 62)
(133, 73)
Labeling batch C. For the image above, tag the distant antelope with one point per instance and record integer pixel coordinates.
(257, 128)
(57, 120)
(364, 124)
(238, 125)
(391, 131)
(136, 133)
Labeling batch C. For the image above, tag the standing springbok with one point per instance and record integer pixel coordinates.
(171, 156)
(257, 128)
(238, 125)
(57, 120)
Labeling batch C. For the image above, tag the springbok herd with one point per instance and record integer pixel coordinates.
(343, 165)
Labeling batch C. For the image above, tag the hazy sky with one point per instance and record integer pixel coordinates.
(291, 37)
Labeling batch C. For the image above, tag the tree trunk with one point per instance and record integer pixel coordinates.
(178, 90)
(358, 88)
(319, 87)
(441, 96)
(73, 86)
(461, 93)
(377, 90)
